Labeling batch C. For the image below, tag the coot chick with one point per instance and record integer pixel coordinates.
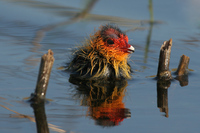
(103, 56)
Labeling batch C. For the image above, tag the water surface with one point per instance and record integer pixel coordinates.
(72, 108)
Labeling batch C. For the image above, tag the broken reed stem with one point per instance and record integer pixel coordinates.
(46, 64)
(183, 65)
(164, 60)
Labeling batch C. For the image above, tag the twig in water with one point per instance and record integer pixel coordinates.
(47, 61)
(164, 60)
(183, 65)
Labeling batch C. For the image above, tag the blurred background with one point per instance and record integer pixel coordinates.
(28, 28)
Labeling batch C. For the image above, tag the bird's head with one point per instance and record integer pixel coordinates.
(112, 43)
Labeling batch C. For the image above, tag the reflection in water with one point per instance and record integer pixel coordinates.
(162, 95)
(151, 22)
(183, 80)
(148, 42)
(162, 92)
(40, 117)
(104, 99)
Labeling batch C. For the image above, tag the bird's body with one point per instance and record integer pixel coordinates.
(103, 56)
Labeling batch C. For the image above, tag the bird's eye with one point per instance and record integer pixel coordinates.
(110, 41)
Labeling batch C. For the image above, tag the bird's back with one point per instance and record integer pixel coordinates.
(83, 67)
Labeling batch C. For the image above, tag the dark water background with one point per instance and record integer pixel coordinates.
(19, 64)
